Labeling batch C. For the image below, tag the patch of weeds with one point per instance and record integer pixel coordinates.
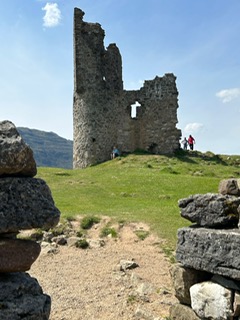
(164, 197)
(142, 234)
(148, 165)
(169, 254)
(63, 174)
(169, 170)
(131, 299)
(82, 243)
(125, 194)
(121, 223)
(62, 228)
(70, 218)
(88, 221)
(37, 235)
(106, 231)
(23, 237)
(81, 233)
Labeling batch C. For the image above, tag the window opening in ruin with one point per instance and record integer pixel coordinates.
(134, 109)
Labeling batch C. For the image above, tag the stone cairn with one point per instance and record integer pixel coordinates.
(25, 203)
(207, 276)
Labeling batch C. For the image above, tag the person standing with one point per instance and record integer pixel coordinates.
(184, 143)
(191, 142)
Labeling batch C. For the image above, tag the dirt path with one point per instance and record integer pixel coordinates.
(88, 284)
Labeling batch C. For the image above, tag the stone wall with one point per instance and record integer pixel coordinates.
(102, 108)
(207, 276)
(26, 203)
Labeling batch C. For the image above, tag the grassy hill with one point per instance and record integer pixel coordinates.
(140, 187)
(49, 149)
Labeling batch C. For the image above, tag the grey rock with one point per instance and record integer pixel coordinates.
(49, 248)
(26, 203)
(128, 264)
(96, 243)
(225, 282)
(47, 236)
(72, 241)
(144, 314)
(182, 312)
(17, 255)
(135, 279)
(229, 186)
(16, 157)
(21, 297)
(145, 288)
(211, 210)
(183, 278)
(60, 240)
(211, 301)
(214, 251)
(236, 305)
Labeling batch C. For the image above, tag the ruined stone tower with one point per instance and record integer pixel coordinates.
(102, 108)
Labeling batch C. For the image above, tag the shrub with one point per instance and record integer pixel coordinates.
(142, 234)
(106, 231)
(169, 254)
(80, 233)
(88, 221)
(82, 243)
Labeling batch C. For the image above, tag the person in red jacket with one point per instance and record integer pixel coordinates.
(191, 142)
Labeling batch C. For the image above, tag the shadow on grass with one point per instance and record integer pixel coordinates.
(188, 156)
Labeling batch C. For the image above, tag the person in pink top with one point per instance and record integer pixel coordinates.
(191, 142)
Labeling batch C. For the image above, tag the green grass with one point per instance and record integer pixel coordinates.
(139, 187)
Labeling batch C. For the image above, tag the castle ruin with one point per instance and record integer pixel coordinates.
(102, 111)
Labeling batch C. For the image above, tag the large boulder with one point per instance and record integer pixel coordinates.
(16, 157)
(211, 301)
(214, 251)
(21, 298)
(229, 186)
(183, 278)
(17, 255)
(211, 210)
(182, 312)
(26, 203)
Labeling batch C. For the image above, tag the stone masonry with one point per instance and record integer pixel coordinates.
(207, 276)
(25, 203)
(102, 108)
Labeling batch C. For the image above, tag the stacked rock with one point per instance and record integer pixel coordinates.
(25, 203)
(207, 277)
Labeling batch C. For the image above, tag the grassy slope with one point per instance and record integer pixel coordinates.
(139, 187)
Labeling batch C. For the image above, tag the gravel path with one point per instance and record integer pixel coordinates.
(88, 284)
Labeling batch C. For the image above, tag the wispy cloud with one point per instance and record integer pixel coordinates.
(52, 16)
(193, 127)
(228, 94)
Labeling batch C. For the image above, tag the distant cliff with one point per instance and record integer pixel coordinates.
(50, 150)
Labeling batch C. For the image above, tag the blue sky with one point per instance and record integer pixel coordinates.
(196, 40)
